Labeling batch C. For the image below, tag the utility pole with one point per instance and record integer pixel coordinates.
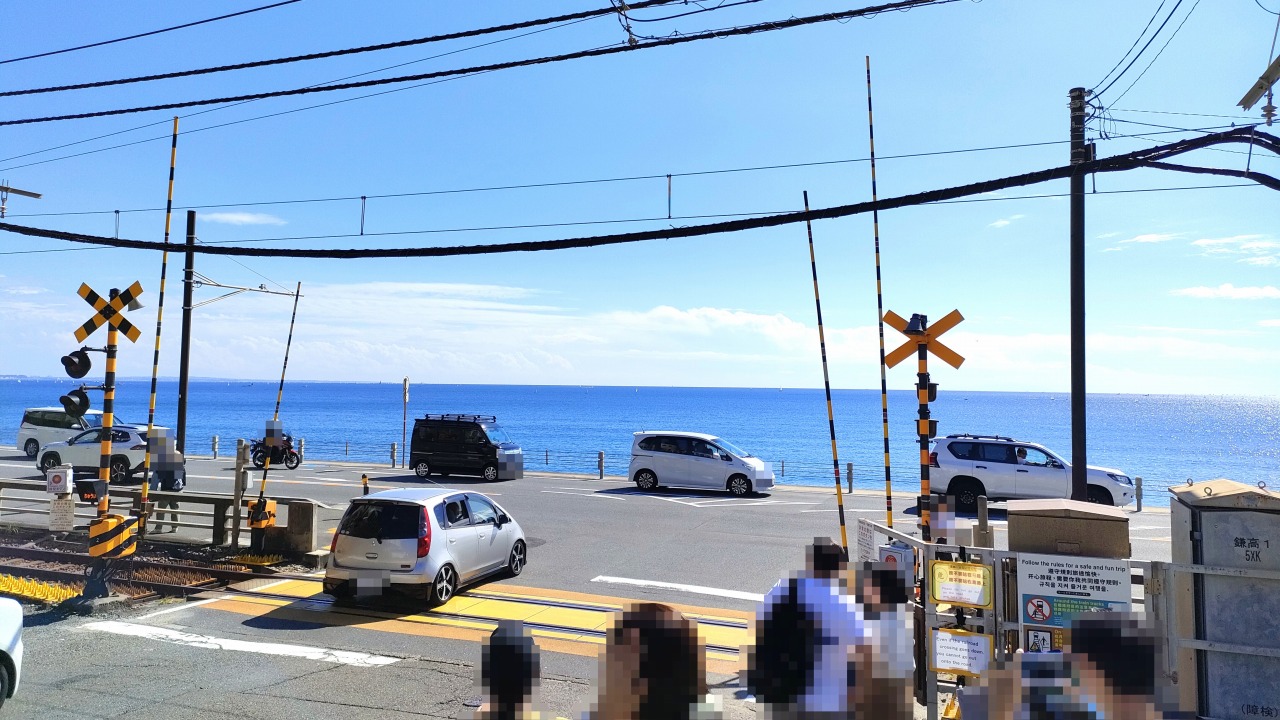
(185, 362)
(4, 195)
(1081, 152)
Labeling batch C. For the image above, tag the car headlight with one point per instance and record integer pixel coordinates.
(1122, 479)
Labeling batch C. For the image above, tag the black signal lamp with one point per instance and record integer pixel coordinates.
(77, 363)
(76, 403)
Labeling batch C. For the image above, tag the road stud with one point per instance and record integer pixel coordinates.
(112, 536)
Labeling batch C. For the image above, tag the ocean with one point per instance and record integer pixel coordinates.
(1165, 439)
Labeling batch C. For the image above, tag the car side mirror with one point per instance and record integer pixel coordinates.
(501, 520)
(726, 457)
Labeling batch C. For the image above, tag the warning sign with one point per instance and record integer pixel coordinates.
(62, 514)
(1039, 610)
(960, 652)
(958, 583)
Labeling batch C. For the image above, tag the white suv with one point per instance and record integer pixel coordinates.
(967, 466)
(84, 452)
(41, 426)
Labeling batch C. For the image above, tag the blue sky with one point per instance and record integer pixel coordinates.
(1183, 295)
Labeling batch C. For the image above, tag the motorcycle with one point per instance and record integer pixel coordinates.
(282, 454)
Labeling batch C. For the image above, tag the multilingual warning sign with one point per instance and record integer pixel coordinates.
(1056, 588)
(959, 583)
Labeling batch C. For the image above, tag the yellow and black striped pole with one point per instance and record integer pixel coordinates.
(826, 381)
(155, 358)
(884, 384)
(108, 417)
(923, 427)
(262, 514)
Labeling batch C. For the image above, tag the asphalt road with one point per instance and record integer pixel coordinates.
(592, 542)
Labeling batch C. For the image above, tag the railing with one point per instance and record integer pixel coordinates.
(214, 514)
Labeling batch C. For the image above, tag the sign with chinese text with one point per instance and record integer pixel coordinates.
(1054, 588)
(959, 583)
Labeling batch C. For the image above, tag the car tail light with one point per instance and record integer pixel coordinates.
(424, 534)
(333, 544)
(933, 459)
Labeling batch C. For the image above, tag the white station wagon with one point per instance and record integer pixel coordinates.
(696, 460)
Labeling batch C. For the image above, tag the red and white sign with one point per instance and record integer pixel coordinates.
(1039, 609)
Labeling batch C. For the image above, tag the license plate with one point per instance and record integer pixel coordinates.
(371, 582)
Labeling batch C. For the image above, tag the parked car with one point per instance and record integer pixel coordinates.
(83, 452)
(967, 466)
(41, 426)
(695, 460)
(424, 541)
(464, 445)
(10, 647)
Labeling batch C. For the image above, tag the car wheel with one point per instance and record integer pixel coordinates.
(444, 586)
(292, 460)
(491, 472)
(966, 492)
(1099, 495)
(422, 469)
(5, 683)
(519, 556)
(119, 469)
(49, 461)
(739, 485)
(646, 480)
(31, 448)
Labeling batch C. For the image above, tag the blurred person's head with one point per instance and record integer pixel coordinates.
(509, 669)
(653, 666)
(1115, 659)
(881, 588)
(825, 559)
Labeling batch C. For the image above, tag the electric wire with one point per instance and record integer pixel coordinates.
(1136, 40)
(1003, 198)
(1152, 39)
(1264, 7)
(721, 6)
(1148, 158)
(148, 34)
(1176, 30)
(597, 52)
(589, 14)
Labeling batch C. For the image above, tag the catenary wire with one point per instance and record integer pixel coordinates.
(438, 231)
(589, 14)
(1150, 40)
(597, 52)
(1176, 30)
(721, 6)
(1152, 157)
(148, 34)
(1264, 7)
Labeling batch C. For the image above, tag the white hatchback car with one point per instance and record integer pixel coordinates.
(10, 647)
(696, 460)
(427, 541)
(84, 452)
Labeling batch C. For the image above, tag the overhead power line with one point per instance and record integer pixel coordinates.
(1176, 30)
(1136, 40)
(148, 34)
(1150, 40)
(336, 53)
(596, 52)
(1152, 157)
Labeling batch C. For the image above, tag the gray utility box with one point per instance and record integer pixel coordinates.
(1068, 527)
(1229, 609)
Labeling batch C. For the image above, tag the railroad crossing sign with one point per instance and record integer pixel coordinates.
(109, 311)
(928, 334)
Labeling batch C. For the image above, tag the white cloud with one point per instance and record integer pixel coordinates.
(1270, 323)
(1233, 240)
(1150, 238)
(1006, 222)
(22, 290)
(1112, 249)
(242, 218)
(1105, 236)
(1263, 261)
(1230, 292)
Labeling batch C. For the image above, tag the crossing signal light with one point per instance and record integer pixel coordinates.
(76, 403)
(933, 392)
(90, 491)
(77, 364)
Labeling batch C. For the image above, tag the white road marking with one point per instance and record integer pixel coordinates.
(698, 589)
(343, 657)
(579, 494)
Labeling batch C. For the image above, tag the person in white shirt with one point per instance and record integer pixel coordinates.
(883, 594)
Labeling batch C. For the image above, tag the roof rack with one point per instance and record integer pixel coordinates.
(982, 437)
(462, 418)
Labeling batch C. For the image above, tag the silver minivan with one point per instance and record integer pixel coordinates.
(696, 460)
(41, 426)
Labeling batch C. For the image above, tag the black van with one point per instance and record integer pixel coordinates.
(464, 445)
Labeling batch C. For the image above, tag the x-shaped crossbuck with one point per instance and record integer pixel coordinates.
(929, 337)
(109, 311)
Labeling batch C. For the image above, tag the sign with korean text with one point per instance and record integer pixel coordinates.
(960, 583)
(866, 541)
(1055, 588)
(960, 652)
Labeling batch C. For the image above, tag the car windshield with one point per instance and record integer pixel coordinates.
(387, 521)
(733, 449)
(496, 433)
(93, 421)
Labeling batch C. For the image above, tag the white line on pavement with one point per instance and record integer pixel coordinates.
(343, 657)
(579, 494)
(698, 589)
